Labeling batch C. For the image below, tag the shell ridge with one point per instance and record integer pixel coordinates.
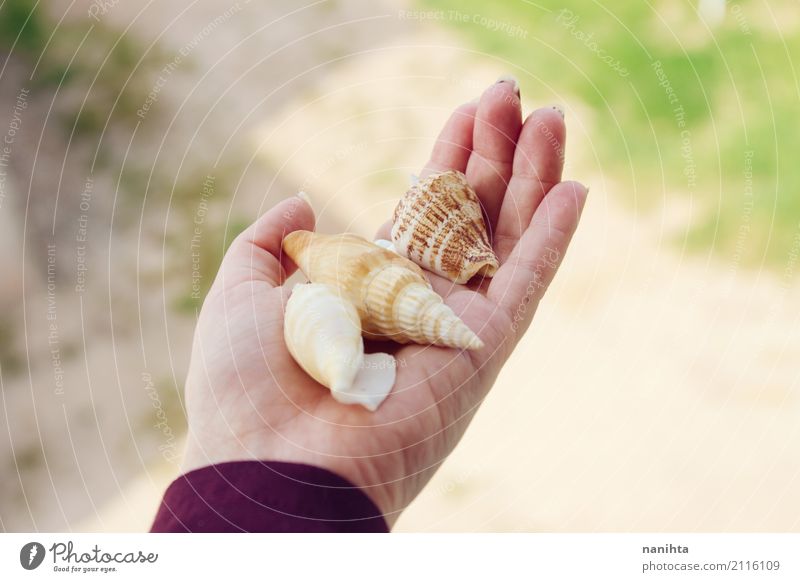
(439, 225)
(390, 295)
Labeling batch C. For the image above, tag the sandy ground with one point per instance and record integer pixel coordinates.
(655, 391)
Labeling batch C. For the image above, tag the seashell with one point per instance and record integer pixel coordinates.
(439, 225)
(391, 294)
(323, 334)
(386, 244)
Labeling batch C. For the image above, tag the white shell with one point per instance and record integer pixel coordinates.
(323, 334)
(386, 244)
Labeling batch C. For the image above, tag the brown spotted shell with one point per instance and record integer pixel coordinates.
(439, 225)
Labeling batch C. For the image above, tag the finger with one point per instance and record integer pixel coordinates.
(454, 144)
(497, 126)
(521, 282)
(538, 163)
(450, 152)
(256, 253)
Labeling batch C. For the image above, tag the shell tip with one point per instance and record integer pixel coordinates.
(475, 343)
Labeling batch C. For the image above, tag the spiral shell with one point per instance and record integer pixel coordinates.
(439, 225)
(323, 334)
(390, 293)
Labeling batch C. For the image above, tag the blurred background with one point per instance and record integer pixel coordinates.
(659, 388)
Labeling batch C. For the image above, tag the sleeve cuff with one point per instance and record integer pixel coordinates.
(265, 496)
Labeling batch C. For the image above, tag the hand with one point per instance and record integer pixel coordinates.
(248, 399)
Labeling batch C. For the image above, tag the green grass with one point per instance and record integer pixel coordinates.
(91, 61)
(216, 233)
(11, 360)
(96, 70)
(213, 246)
(21, 26)
(738, 92)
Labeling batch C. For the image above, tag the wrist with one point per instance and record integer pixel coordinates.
(266, 496)
(198, 455)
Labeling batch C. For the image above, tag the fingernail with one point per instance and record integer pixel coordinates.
(509, 79)
(304, 197)
(559, 109)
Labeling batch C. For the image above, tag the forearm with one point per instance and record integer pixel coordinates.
(255, 496)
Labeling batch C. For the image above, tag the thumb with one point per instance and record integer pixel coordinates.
(255, 255)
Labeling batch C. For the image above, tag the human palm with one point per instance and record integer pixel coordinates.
(248, 399)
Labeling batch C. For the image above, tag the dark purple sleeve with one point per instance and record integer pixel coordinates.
(256, 496)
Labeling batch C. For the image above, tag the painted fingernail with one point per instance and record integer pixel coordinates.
(511, 80)
(559, 109)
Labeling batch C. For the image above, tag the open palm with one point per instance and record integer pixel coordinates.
(248, 399)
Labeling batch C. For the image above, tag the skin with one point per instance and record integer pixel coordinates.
(248, 399)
